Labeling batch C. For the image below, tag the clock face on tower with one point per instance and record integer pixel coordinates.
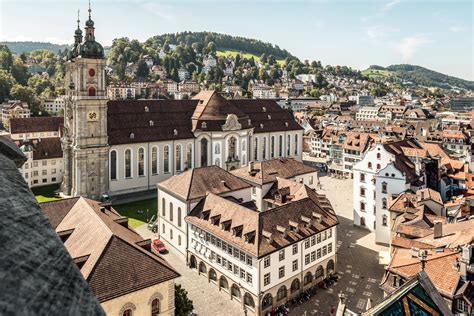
(92, 116)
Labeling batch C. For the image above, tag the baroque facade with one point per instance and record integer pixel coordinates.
(124, 146)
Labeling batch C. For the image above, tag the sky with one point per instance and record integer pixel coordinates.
(437, 34)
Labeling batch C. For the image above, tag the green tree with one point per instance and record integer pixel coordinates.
(183, 305)
(40, 83)
(6, 58)
(315, 93)
(20, 71)
(142, 69)
(26, 94)
(6, 83)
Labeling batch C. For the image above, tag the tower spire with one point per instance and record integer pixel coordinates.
(78, 20)
(90, 9)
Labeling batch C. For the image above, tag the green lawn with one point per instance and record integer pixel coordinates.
(131, 210)
(376, 73)
(46, 193)
(233, 53)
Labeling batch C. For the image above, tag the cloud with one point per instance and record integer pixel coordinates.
(160, 10)
(379, 31)
(389, 5)
(456, 28)
(408, 46)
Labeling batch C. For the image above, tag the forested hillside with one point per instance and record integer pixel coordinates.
(27, 47)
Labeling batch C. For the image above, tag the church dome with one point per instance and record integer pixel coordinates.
(90, 23)
(90, 49)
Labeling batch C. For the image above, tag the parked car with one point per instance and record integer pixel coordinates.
(159, 246)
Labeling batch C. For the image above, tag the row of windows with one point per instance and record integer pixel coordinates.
(163, 231)
(317, 254)
(318, 238)
(42, 134)
(281, 272)
(44, 172)
(155, 166)
(238, 254)
(272, 147)
(171, 214)
(44, 163)
(42, 180)
(155, 309)
(246, 276)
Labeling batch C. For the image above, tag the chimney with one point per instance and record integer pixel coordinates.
(422, 257)
(438, 229)
(466, 269)
(251, 166)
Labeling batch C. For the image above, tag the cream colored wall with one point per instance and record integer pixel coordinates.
(140, 301)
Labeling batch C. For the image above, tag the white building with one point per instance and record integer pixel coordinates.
(13, 109)
(367, 113)
(209, 62)
(121, 92)
(183, 74)
(386, 170)
(53, 106)
(170, 85)
(263, 258)
(263, 91)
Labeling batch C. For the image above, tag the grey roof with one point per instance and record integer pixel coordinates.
(37, 275)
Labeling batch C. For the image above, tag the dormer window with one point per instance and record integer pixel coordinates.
(175, 132)
(152, 123)
(132, 135)
(250, 121)
(261, 125)
(264, 109)
(203, 125)
(269, 116)
(286, 124)
(147, 109)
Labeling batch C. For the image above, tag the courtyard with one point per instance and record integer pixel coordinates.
(357, 265)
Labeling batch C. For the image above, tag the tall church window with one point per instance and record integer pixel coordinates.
(155, 307)
(264, 148)
(280, 144)
(255, 157)
(288, 145)
(272, 147)
(113, 165)
(179, 217)
(296, 145)
(178, 157)
(204, 144)
(189, 157)
(171, 212)
(141, 162)
(154, 160)
(232, 149)
(91, 91)
(128, 163)
(166, 159)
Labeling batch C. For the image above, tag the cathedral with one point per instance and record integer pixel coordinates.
(125, 146)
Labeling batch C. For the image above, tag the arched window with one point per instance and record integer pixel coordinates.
(127, 312)
(223, 283)
(212, 275)
(217, 148)
(255, 156)
(235, 291)
(295, 285)
(141, 162)
(177, 153)
(369, 165)
(384, 220)
(280, 145)
(264, 148)
(248, 301)
(202, 268)
(362, 221)
(179, 216)
(91, 91)
(384, 203)
(330, 267)
(155, 307)
(272, 147)
(189, 157)
(232, 149)
(154, 160)
(379, 155)
(378, 166)
(171, 211)
(113, 165)
(384, 187)
(296, 145)
(128, 163)
(267, 301)
(308, 278)
(281, 294)
(163, 207)
(166, 159)
(288, 145)
(319, 272)
(204, 144)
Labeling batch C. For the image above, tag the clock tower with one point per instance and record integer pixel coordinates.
(85, 142)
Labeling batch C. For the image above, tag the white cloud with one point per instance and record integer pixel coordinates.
(408, 46)
(160, 10)
(379, 32)
(456, 28)
(389, 5)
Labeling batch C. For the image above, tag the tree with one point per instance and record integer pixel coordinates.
(22, 93)
(6, 58)
(20, 71)
(40, 83)
(183, 305)
(142, 69)
(6, 83)
(315, 93)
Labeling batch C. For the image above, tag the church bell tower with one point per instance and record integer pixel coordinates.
(85, 142)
